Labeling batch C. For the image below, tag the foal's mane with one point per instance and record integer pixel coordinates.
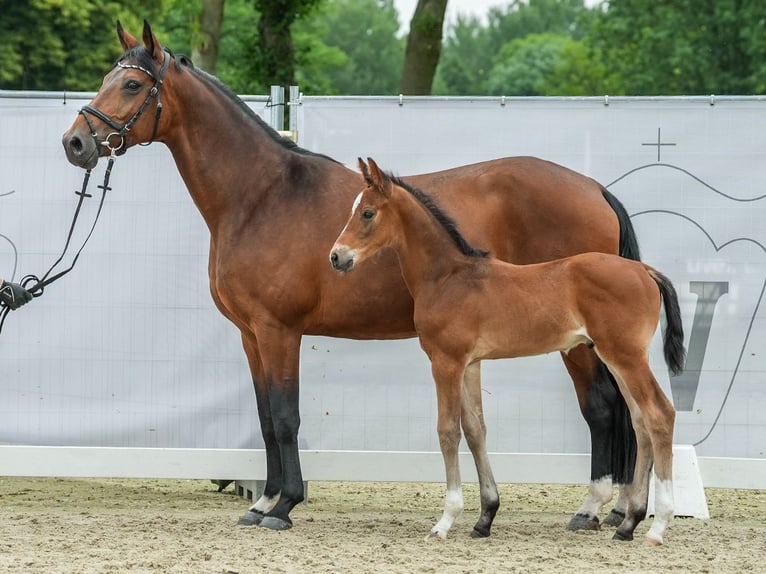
(144, 59)
(446, 222)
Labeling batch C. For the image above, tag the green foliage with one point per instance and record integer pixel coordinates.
(543, 47)
(60, 44)
(466, 59)
(515, 53)
(523, 66)
(680, 47)
(350, 47)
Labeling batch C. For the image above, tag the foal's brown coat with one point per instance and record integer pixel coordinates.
(469, 307)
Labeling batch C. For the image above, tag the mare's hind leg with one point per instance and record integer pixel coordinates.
(271, 491)
(448, 376)
(654, 420)
(475, 431)
(612, 437)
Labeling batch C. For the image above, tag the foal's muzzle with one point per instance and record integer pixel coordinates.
(342, 259)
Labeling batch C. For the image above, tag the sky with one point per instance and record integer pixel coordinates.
(480, 8)
(406, 9)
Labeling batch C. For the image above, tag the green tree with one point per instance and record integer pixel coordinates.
(524, 65)
(206, 41)
(472, 51)
(679, 47)
(273, 56)
(424, 43)
(466, 59)
(350, 47)
(55, 45)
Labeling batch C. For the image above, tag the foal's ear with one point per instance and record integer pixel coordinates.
(380, 180)
(127, 41)
(152, 44)
(365, 171)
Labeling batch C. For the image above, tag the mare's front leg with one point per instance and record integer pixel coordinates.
(448, 376)
(271, 491)
(277, 395)
(613, 442)
(475, 431)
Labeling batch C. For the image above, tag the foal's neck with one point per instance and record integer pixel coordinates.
(426, 252)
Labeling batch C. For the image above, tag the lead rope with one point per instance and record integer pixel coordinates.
(35, 285)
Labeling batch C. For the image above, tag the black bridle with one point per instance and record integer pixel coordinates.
(121, 130)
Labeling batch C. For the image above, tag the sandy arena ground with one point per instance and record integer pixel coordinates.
(117, 525)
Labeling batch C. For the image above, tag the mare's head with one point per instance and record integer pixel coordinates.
(127, 108)
(370, 226)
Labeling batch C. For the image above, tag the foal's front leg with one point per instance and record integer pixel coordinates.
(448, 376)
(475, 430)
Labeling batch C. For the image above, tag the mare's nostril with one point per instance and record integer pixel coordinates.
(75, 144)
(334, 259)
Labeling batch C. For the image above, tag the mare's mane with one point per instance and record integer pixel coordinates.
(144, 59)
(446, 222)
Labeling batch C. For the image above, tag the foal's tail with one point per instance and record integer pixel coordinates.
(673, 339)
(628, 240)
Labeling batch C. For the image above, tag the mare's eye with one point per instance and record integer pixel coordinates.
(368, 214)
(132, 85)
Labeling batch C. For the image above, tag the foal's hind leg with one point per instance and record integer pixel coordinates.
(448, 376)
(654, 419)
(611, 433)
(475, 431)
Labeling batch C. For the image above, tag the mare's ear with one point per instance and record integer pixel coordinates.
(126, 39)
(380, 180)
(152, 44)
(365, 171)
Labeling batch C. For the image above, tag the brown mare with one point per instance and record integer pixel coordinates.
(274, 209)
(470, 307)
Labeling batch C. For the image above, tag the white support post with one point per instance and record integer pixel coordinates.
(688, 492)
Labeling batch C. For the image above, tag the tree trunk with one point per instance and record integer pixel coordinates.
(205, 49)
(424, 44)
(275, 42)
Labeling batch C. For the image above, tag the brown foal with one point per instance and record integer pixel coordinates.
(470, 306)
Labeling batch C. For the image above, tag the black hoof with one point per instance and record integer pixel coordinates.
(583, 522)
(274, 523)
(615, 518)
(250, 518)
(478, 532)
(624, 536)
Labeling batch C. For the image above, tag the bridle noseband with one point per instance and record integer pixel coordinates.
(121, 130)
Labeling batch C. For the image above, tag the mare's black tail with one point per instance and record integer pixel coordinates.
(673, 337)
(628, 241)
(624, 447)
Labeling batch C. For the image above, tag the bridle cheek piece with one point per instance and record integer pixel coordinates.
(121, 130)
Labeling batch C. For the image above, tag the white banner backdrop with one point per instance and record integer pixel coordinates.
(691, 173)
(128, 350)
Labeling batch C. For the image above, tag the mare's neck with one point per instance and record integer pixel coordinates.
(427, 254)
(222, 153)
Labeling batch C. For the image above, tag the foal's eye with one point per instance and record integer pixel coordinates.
(132, 85)
(368, 214)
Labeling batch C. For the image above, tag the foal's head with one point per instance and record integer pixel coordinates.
(368, 228)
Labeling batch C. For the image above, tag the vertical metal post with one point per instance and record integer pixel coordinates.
(277, 103)
(293, 102)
